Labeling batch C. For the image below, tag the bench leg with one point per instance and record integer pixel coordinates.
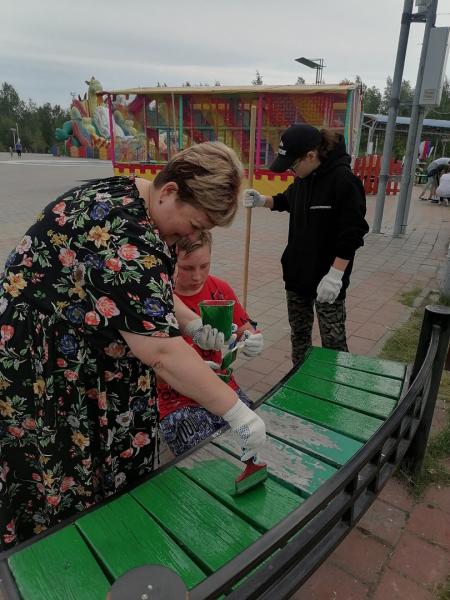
(434, 316)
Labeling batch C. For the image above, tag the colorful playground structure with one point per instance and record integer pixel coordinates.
(165, 120)
(88, 133)
(141, 129)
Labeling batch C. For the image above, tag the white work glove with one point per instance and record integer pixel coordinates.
(204, 336)
(253, 343)
(252, 198)
(212, 365)
(248, 428)
(330, 286)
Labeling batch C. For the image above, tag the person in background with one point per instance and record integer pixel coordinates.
(183, 422)
(434, 170)
(88, 320)
(443, 189)
(327, 206)
(19, 149)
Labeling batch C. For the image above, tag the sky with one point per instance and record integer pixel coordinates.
(48, 48)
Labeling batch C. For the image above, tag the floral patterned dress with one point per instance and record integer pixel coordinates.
(78, 416)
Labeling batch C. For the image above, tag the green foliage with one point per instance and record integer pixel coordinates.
(258, 79)
(409, 296)
(36, 124)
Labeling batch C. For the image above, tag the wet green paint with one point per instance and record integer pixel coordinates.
(361, 400)
(376, 384)
(215, 471)
(333, 416)
(210, 531)
(323, 443)
(286, 464)
(378, 366)
(125, 536)
(59, 567)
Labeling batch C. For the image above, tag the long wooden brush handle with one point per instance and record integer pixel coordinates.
(248, 212)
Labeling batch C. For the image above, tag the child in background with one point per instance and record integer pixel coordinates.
(183, 422)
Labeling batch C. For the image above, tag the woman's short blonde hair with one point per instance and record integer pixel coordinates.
(208, 176)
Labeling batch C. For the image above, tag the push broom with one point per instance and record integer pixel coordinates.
(255, 472)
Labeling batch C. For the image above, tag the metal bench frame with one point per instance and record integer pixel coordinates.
(306, 537)
(293, 549)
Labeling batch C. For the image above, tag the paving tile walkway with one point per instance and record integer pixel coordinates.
(400, 549)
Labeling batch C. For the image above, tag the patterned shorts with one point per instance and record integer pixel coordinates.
(186, 427)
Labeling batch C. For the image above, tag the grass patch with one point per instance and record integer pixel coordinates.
(401, 346)
(409, 296)
(443, 592)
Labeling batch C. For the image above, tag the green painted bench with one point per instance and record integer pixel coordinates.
(337, 428)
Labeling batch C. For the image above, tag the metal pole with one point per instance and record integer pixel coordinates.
(410, 181)
(445, 287)
(415, 127)
(392, 114)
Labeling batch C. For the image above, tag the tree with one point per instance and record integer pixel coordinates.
(300, 81)
(385, 99)
(36, 124)
(258, 79)
(372, 100)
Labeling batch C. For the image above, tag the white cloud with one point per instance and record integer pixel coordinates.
(49, 48)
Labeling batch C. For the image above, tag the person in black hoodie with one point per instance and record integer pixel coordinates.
(327, 206)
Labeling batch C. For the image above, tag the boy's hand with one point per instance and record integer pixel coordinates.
(253, 343)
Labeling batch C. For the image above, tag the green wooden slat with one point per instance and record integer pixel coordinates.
(59, 567)
(378, 366)
(323, 443)
(286, 464)
(200, 523)
(361, 400)
(385, 386)
(338, 418)
(215, 471)
(125, 536)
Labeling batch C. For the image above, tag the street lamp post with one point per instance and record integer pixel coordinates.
(313, 63)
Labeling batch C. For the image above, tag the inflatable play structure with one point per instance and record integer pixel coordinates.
(173, 118)
(88, 133)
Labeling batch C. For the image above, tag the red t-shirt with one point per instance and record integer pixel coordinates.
(169, 399)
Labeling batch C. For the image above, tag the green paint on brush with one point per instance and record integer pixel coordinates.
(253, 475)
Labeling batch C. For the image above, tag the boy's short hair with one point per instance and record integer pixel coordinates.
(188, 246)
(209, 177)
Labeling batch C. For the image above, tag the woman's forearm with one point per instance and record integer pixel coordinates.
(179, 365)
(183, 313)
(184, 370)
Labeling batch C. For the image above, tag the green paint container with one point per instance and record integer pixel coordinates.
(227, 375)
(218, 314)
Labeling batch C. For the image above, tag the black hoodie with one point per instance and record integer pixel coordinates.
(327, 210)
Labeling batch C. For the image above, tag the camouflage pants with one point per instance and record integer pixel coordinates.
(331, 319)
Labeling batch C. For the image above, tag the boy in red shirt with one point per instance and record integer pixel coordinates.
(183, 422)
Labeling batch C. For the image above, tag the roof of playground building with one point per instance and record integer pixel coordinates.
(430, 123)
(234, 89)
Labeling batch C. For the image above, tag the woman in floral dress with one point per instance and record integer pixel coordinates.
(87, 321)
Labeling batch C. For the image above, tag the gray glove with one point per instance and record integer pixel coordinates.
(248, 428)
(204, 336)
(252, 198)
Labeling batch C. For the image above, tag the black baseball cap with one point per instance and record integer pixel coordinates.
(296, 141)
